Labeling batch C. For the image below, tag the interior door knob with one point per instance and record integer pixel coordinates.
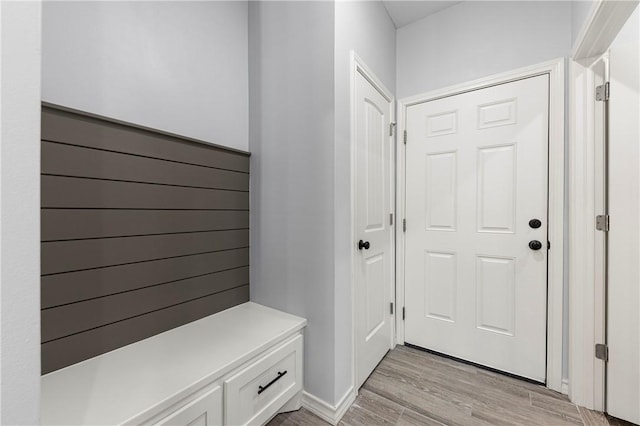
(535, 245)
(363, 245)
(535, 223)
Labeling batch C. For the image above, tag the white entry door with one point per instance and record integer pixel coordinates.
(476, 237)
(374, 243)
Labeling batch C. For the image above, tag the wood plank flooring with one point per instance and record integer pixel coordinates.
(413, 387)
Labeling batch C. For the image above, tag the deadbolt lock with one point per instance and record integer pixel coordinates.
(535, 223)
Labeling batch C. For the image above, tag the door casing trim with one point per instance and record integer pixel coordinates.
(555, 270)
(359, 67)
(586, 285)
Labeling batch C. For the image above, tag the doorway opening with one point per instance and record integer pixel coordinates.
(480, 265)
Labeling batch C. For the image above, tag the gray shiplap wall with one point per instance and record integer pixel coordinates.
(142, 231)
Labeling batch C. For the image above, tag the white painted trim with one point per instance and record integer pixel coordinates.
(577, 48)
(565, 387)
(327, 412)
(352, 201)
(604, 22)
(586, 279)
(555, 274)
(400, 215)
(555, 70)
(358, 66)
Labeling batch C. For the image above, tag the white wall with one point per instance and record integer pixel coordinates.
(365, 27)
(299, 139)
(291, 139)
(176, 66)
(20, 213)
(476, 39)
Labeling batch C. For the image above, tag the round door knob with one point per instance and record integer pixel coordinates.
(363, 245)
(535, 223)
(535, 245)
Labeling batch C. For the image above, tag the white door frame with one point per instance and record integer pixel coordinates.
(358, 66)
(586, 279)
(586, 285)
(555, 70)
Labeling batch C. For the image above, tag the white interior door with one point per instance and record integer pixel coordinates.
(374, 244)
(623, 327)
(476, 175)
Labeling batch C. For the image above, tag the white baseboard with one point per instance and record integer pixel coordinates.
(326, 411)
(565, 387)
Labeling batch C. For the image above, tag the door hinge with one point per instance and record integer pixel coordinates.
(391, 219)
(391, 126)
(404, 225)
(548, 245)
(403, 313)
(602, 92)
(405, 137)
(602, 352)
(391, 307)
(602, 222)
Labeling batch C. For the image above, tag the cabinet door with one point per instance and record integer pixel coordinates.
(258, 391)
(205, 410)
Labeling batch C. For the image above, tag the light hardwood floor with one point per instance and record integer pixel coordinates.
(413, 387)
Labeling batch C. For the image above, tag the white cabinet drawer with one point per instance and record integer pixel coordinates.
(258, 391)
(205, 410)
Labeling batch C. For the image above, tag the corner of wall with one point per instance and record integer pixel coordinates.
(291, 113)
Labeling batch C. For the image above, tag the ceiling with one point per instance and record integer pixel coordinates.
(405, 12)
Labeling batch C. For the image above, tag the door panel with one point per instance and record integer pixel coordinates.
(375, 294)
(496, 189)
(476, 174)
(374, 128)
(623, 325)
(374, 272)
(440, 185)
(496, 294)
(440, 286)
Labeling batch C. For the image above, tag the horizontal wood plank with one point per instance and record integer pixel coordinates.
(65, 256)
(142, 231)
(73, 287)
(66, 192)
(68, 224)
(60, 126)
(70, 160)
(63, 321)
(78, 347)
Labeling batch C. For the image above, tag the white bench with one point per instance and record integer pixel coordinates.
(239, 366)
